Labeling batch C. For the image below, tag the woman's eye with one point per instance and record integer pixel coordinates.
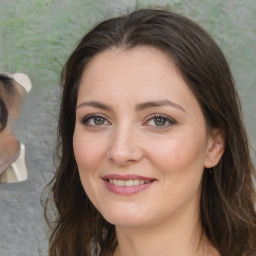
(94, 121)
(98, 120)
(160, 121)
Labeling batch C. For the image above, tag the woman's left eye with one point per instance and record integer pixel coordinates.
(159, 121)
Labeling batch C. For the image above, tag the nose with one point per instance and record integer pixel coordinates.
(125, 147)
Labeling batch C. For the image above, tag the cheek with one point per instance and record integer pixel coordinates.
(183, 155)
(180, 165)
(87, 152)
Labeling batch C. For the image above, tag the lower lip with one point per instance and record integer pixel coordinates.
(122, 190)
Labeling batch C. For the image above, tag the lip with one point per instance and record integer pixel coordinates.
(123, 190)
(126, 177)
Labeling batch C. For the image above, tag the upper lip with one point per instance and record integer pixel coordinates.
(126, 177)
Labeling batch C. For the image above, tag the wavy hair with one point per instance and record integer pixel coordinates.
(227, 211)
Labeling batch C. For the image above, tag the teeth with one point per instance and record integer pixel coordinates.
(136, 182)
(127, 183)
(119, 183)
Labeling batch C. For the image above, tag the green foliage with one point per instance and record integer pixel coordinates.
(38, 35)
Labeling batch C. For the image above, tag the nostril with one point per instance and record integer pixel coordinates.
(124, 155)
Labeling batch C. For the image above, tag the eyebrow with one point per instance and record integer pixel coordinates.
(95, 104)
(152, 104)
(138, 107)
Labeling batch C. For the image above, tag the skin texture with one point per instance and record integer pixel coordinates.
(127, 139)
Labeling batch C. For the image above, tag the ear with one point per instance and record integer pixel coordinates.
(215, 147)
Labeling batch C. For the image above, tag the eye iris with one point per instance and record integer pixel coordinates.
(159, 121)
(99, 120)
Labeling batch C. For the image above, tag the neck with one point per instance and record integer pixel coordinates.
(181, 235)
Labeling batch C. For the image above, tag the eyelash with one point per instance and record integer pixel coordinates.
(85, 120)
(167, 119)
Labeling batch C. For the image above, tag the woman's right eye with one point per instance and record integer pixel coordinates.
(94, 120)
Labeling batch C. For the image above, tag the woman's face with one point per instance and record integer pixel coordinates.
(140, 138)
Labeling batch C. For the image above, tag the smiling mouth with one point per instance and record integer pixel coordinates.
(128, 183)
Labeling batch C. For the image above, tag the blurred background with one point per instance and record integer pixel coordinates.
(37, 36)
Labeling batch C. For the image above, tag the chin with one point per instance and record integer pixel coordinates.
(125, 217)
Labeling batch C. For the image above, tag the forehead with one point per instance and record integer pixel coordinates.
(135, 55)
(123, 79)
(137, 66)
(136, 75)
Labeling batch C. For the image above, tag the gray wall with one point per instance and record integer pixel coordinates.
(36, 36)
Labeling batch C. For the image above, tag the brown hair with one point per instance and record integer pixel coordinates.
(227, 202)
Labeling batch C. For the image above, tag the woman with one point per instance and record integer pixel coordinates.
(154, 156)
